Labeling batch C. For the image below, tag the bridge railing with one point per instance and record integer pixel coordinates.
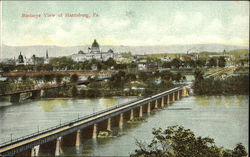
(16, 140)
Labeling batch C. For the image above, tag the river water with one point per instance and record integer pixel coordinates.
(223, 118)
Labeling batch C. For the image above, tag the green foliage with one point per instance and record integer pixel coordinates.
(231, 85)
(90, 93)
(221, 62)
(176, 141)
(49, 78)
(126, 54)
(212, 62)
(59, 79)
(74, 91)
(74, 78)
(176, 62)
(62, 63)
(166, 65)
(110, 62)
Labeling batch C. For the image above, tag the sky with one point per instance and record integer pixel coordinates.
(131, 23)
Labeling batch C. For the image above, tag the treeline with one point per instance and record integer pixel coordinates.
(229, 86)
(121, 84)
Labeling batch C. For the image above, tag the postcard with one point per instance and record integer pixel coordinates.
(124, 78)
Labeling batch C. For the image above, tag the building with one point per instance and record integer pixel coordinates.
(34, 60)
(166, 59)
(95, 53)
(189, 57)
(20, 59)
(46, 60)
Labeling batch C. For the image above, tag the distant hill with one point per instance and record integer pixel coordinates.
(240, 53)
(55, 51)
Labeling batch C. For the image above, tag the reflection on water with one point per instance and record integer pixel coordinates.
(108, 102)
(220, 100)
(199, 100)
(240, 99)
(48, 105)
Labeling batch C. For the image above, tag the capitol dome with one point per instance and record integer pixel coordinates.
(95, 47)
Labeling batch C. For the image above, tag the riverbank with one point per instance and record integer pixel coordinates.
(233, 85)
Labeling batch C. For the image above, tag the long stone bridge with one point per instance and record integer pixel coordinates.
(52, 139)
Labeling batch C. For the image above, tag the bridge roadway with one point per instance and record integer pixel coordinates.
(16, 146)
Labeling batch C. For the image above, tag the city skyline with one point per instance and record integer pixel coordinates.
(125, 23)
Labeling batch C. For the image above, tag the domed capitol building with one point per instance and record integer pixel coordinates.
(95, 53)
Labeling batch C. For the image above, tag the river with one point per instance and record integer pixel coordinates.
(223, 118)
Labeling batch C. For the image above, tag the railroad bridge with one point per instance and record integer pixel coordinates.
(39, 92)
(52, 139)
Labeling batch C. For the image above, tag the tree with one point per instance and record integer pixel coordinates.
(74, 91)
(177, 77)
(176, 62)
(24, 78)
(117, 80)
(221, 62)
(239, 150)
(166, 65)
(110, 62)
(176, 141)
(58, 79)
(130, 77)
(74, 78)
(200, 63)
(212, 62)
(48, 78)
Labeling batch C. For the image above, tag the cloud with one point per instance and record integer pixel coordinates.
(143, 27)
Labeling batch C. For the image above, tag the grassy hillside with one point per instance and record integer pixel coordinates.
(240, 53)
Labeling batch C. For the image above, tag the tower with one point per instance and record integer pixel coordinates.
(47, 56)
(46, 60)
(20, 58)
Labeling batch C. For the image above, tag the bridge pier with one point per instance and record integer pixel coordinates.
(178, 96)
(58, 150)
(35, 150)
(140, 111)
(173, 97)
(15, 98)
(94, 135)
(78, 138)
(156, 104)
(42, 93)
(148, 108)
(109, 124)
(131, 115)
(184, 92)
(162, 102)
(168, 99)
(121, 121)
